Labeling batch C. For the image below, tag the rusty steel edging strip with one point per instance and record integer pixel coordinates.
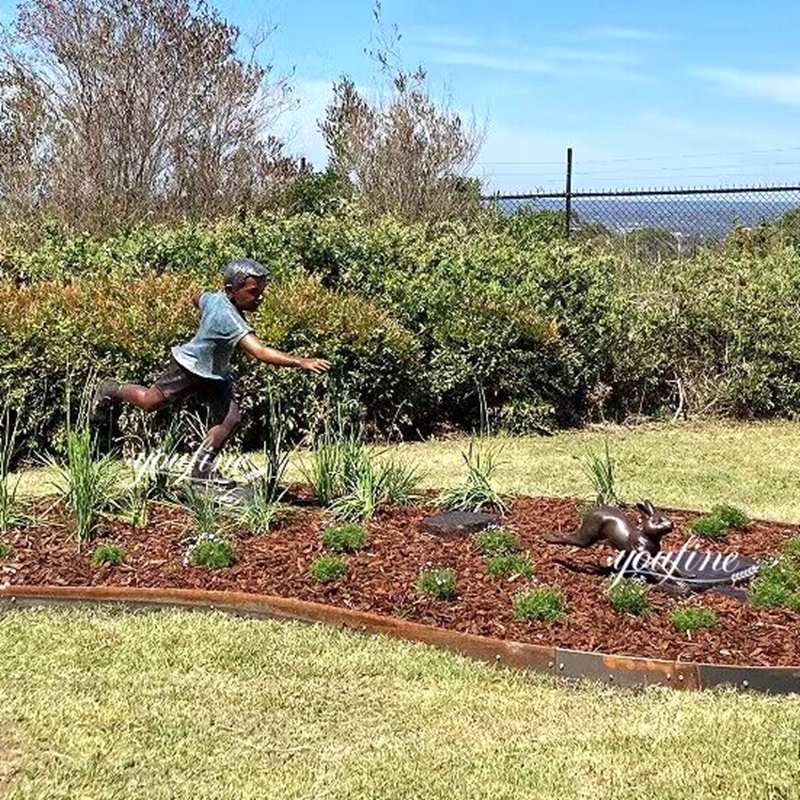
(613, 670)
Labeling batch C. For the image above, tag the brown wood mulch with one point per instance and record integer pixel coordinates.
(381, 578)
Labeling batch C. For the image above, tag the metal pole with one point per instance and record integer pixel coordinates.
(568, 192)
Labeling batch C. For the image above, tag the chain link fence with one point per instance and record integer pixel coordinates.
(677, 220)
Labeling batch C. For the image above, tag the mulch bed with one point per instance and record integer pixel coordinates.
(381, 578)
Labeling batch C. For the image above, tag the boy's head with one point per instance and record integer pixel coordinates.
(245, 281)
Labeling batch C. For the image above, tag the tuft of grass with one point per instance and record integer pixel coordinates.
(496, 542)
(711, 527)
(5, 550)
(478, 490)
(439, 583)
(347, 538)
(89, 483)
(204, 508)
(732, 516)
(601, 471)
(511, 564)
(10, 514)
(110, 554)
(629, 596)
(544, 604)
(328, 568)
(692, 618)
(210, 550)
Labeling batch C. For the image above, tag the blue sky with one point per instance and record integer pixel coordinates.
(647, 93)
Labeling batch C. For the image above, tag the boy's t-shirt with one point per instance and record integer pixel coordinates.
(221, 329)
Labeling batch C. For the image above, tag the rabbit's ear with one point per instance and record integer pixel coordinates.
(643, 508)
(649, 506)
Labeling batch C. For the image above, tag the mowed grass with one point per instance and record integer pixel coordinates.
(752, 465)
(96, 704)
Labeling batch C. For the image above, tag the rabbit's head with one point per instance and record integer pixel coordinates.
(655, 526)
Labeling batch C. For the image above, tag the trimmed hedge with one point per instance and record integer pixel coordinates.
(419, 321)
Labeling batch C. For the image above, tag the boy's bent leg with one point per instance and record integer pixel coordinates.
(227, 417)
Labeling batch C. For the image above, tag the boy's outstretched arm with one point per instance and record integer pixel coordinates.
(255, 347)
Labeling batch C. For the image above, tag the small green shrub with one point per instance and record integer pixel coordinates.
(496, 542)
(793, 602)
(5, 550)
(629, 596)
(110, 554)
(791, 548)
(775, 584)
(513, 564)
(439, 583)
(732, 517)
(346, 538)
(710, 527)
(601, 471)
(692, 618)
(204, 508)
(545, 604)
(328, 568)
(477, 491)
(210, 550)
(10, 515)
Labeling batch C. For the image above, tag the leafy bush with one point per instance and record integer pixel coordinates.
(210, 550)
(692, 618)
(791, 548)
(344, 538)
(629, 596)
(439, 583)
(5, 550)
(711, 527)
(513, 564)
(477, 491)
(732, 517)
(545, 604)
(496, 542)
(328, 568)
(110, 554)
(775, 584)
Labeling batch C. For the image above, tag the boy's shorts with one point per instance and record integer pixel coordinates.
(176, 383)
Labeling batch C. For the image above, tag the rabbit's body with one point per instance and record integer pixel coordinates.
(611, 525)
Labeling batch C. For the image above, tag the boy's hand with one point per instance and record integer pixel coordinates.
(315, 365)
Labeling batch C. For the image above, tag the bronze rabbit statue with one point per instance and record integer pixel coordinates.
(610, 524)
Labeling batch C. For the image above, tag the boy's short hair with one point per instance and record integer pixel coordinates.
(237, 272)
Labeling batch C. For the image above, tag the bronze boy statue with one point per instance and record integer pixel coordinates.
(201, 366)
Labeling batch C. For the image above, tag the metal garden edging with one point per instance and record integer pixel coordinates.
(624, 671)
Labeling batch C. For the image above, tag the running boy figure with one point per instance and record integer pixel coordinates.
(201, 366)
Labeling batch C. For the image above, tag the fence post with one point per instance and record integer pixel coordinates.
(568, 191)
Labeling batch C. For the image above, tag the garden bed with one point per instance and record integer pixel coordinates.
(381, 579)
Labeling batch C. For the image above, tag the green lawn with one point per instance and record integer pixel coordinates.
(756, 466)
(169, 705)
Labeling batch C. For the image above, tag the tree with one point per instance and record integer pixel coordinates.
(120, 110)
(406, 154)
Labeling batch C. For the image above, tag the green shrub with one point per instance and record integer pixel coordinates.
(5, 550)
(437, 583)
(711, 527)
(629, 596)
(210, 550)
(791, 548)
(10, 513)
(110, 554)
(601, 471)
(344, 538)
(496, 542)
(328, 568)
(793, 602)
(545, 604)
(775, 584)
(514, 564)
(732, 517)
(692, 618)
